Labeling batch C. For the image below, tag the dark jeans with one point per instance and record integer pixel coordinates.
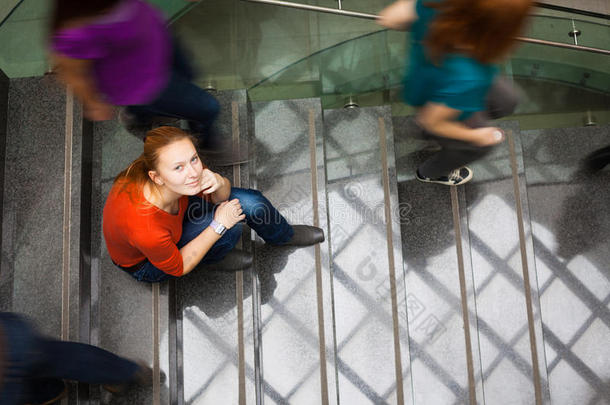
(181, 99)
(501, 101)
(35, 365)
(261, 216)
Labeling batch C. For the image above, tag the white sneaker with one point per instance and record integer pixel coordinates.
(456, 177)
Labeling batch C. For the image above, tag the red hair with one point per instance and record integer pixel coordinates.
(482, 29)
(137, 172)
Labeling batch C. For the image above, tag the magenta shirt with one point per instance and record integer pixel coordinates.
(130, 49)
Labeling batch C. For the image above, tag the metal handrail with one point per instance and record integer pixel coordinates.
(366, 16)
(316, 8)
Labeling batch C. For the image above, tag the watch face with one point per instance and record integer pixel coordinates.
(218, 228)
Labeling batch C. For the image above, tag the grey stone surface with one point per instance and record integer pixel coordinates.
(33, 200)
(349, 150)
(289, 312)
(571, 220)
(364, 325)
(124, 306)
(207, 299)
(506, 358)
(6, 279)
(434, 309)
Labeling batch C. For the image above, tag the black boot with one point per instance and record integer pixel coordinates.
(304, 235)
(235, 260)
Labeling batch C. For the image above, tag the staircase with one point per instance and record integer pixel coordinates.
(497, 292)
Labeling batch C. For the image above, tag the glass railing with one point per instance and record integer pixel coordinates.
(370, 68)
(279, 52)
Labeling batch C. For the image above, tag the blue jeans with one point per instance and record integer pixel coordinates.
(35, 365)
(261, 216)
(181, 99)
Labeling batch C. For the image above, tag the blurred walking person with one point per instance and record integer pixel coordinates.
(121, 53)
(453, 77)
(33, 367)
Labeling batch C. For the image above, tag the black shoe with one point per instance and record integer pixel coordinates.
(304, 235)
(457, 177)
(599, 159)
(142, 377)
(235, 260)
(57, 387)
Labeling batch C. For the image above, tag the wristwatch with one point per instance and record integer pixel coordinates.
(218, 227)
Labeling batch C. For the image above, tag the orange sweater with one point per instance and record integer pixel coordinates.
(136, 230)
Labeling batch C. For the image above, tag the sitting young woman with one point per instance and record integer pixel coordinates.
(167, 212)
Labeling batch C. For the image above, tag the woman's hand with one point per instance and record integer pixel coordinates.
(228, 213)
(488, 136)
(398, 16)
(210, 181)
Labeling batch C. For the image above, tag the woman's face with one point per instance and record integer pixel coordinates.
(179, 168)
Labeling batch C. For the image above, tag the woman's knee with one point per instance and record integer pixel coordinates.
(253, 203)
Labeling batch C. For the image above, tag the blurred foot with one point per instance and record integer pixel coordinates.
(142, 377)
(457, 177)
(53, 392)
(235, 260)
(599, 159)
(304, 235)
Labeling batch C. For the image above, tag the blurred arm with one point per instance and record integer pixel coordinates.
(77, 73)
(440, 120)
(398, 16)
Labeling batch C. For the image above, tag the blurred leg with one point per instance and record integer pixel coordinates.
(454, 154)
(182, 99)
(502, 100)
(83, 362)
(19, 353)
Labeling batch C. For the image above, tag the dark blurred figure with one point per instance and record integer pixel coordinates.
(120, 52)
(599, 159)
(33, 367)
(452, 78)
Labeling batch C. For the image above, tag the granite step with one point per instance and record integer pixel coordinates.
(570, 216)
(372, 347)
(439, 357)
(44, 149)
(215, 338)
(41, 201)
(504, 276)
(293, 316)
(474, 312)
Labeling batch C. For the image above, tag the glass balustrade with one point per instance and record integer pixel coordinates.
(280, 52)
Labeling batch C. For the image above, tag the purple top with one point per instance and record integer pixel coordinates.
(130, 48)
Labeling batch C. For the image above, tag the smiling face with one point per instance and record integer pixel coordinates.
(178, 168)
